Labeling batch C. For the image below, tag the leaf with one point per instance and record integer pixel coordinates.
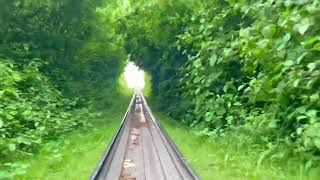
(12, 147)
(312, 114)
(312, 66)
(299, 131)
(241, 87)
(197, 91)
(9, 91)
(225, 88)
(273, 124)
(296, 83)
(301, 117)
(286, 37)
(221, 111)
(301, 57)
(269, 31)
(9, 117)
(27, 113)
(197, 63)
(15, 78)
(310, 42)
(303, 28)
(316, 47)
(304, 25)
(209, 116)
(289, 63)
(252, 81)
(229, 119)
(42, 128)
(317, 142)
(1, 123)
(244, 33)
(314, 97)
(247, 90)
(301, 109)
(311, 83)
(197, 79)
(213, 60)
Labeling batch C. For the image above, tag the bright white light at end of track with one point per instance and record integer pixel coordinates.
(134, 76)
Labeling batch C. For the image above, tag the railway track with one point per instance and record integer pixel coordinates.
(142, 150)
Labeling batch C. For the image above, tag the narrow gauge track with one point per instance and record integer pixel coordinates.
(142, 150)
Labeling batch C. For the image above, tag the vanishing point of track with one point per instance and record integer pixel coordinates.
(142, 150)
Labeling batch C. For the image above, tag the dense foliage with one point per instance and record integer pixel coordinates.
(249, 69)
(58, 62)
(235, 67)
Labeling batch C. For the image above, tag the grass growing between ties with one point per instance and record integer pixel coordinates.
(77, 154)
(220, 158)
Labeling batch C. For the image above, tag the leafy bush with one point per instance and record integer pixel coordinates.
(265, 62)
(247, 67)
(59, 61)
(32, 111)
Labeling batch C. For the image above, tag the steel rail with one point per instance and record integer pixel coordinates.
(170, 141)
(102, 166)
(156, 133)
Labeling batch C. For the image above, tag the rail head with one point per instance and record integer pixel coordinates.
(174, 147)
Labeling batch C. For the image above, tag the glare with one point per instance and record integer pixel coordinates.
(134, 76)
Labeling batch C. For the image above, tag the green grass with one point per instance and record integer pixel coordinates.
(223, 159)
(77, 155)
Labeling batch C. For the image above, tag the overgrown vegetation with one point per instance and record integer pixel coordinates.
(59, 63)
(76, 155)
(226, 158)
(247, 69)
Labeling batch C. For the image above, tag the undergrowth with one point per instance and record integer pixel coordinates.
(76, 154)
(228, 158)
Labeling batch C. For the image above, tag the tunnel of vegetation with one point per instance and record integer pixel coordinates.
(245, 68)
(249, 69)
